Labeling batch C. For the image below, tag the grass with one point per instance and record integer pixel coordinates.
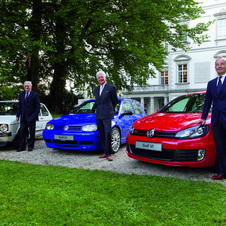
(53, 195)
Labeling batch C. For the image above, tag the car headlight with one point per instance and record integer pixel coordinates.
(89, 128)
(193, 132)
(49, 126)
(3, 128)
(131, 130)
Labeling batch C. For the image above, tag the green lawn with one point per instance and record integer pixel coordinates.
(52, 195)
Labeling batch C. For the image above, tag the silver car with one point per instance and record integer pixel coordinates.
(9, 127)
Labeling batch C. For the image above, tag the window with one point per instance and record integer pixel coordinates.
(44, 111)
(182, 73)
(164, 77)
(166, 47)
(137, 107)
(221, 29)
(185, 37)
(127, 106)
(85, 108)
(186, 103)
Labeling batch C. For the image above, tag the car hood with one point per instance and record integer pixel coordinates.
(8, 119)
(168, 121)
(74, 119)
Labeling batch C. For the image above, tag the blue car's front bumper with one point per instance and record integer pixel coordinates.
(87, 141)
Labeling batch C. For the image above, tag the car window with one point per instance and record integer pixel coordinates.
(85, 108)
(44, 111)
(137, 107)
(127, 106)
(117, 107)
(187, 103)
(8, 108)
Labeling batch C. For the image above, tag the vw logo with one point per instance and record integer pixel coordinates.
(150, 133)
(66, 128)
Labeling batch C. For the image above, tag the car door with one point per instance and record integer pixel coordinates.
(126, 120)
(43, 117)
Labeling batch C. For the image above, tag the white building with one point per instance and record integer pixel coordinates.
(186, 72)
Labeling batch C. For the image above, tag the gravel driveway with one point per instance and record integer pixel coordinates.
(89, 160)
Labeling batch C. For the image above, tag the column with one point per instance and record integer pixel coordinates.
(165, 100)
(152, 105)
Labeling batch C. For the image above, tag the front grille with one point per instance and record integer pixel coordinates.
(165, 154)
(166, 134)
(86, 142)
(74, 142)
(71, 128)
(48, 140)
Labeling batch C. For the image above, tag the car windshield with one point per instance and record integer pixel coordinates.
(88, 107)
(185, 104)
(8, 108)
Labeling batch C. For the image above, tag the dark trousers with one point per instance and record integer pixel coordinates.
(27, 128)
(104, 128)
(219, 133)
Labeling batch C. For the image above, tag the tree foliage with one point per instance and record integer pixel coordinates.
(51, 41)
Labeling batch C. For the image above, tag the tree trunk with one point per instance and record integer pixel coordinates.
(32, 63)
(59, 75)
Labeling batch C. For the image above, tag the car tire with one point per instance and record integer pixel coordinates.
(115, 140)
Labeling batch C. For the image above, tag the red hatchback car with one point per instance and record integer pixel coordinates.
(171, 136)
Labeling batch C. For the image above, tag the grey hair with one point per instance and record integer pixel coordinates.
(101, 72)
(28, 82)
(223, 58)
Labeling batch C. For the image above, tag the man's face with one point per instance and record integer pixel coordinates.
(220, 66)
(27, 87)
(101, 79)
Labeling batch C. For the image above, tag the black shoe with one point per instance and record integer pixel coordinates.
(20, 149)
(30, 149)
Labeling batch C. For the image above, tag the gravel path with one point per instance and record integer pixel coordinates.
(89, 160)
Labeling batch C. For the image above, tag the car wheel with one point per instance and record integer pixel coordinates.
(115, 140)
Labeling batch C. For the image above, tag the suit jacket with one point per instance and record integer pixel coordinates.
(218, 101)
(105, 104)
(28, 111)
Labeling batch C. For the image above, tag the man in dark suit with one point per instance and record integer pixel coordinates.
(106, 100)
(27, 111)
(216, 95)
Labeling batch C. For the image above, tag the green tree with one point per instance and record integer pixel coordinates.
(72, 39)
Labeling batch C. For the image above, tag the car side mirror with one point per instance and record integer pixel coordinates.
(127, 113)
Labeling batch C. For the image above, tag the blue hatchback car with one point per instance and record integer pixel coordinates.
(78, 130)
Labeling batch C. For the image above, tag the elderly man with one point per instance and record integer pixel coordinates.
(27, 111)
(106, 100)
(216, 95)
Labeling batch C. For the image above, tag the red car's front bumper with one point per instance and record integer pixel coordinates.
(183, 153)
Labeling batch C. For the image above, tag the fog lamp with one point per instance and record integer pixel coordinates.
(201, 154)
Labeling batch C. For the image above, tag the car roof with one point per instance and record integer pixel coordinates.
(193, 93)
(120, 99)
(9, 101)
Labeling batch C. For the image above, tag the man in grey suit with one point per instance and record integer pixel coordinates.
(106, 100)
(27, 111)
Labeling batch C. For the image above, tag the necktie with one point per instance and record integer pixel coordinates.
(219, 84)
(26, 97)
(101, 88)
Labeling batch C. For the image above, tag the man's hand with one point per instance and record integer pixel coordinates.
(17, 118)
(202, 121)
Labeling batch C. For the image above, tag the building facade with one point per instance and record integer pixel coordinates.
(187, 72)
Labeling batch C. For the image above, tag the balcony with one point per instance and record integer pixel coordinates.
(151, 88)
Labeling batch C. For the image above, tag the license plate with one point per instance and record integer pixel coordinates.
(63, 137)
(149, 146)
